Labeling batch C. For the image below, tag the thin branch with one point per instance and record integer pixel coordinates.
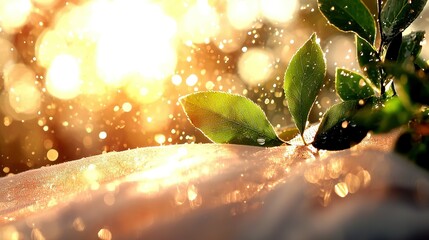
(379, 7)
(380, 48)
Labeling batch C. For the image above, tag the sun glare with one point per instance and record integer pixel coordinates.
(138, 43)
(134, 44)
(120, 66)
(142, 43)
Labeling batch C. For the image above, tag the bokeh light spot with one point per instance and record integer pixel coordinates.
(102, 135)
(24, 97)
(138, 46)
(176, 79)
(243, 13)
(52, 155)
(201, 30)
(104, 234)
(160, 138)
(7, 55)
(279, 11)
(14, 13)
(63, 77)
(48, 46)
(191, 80)
(255, 66)
(127, 107)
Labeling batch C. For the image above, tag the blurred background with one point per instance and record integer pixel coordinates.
(83, 77)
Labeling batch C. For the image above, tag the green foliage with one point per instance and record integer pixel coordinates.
(410, 46)
(338, 129)
(413, 85)
(349, 16)
(391, 92)
(352, 86)
(303, 80)
(397, 15)
(414, 143)
(401, 76)
(369, 60)
(245, 123)
(381, 115)
(393, 48)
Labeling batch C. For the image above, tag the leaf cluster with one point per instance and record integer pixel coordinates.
(391, 89)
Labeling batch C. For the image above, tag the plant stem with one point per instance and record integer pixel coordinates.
(303, 139)
(393, 89)
(379, 7)
(382, 42)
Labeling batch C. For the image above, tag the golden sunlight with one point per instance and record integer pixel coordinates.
(7, 54)
(243, 13)
(45, 3)
(121, 65)
(135, 49)
(279, 11)
(256, 66)
(63, 77)
(24, 97)
(201, 30)
(14, 13)
(142, 43)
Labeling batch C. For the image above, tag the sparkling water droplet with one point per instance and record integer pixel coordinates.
(260, 141)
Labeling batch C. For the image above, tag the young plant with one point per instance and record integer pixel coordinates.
(393, 90)
(229, 118)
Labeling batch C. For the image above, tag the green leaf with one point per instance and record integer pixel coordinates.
(228, 118)
(349, 16)
(369, 60)
(393, 49)
(352, 86)
(411, 46)
(338, 130)
(381, 116)
(412, 86)
(397, 15)
(303, 80)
